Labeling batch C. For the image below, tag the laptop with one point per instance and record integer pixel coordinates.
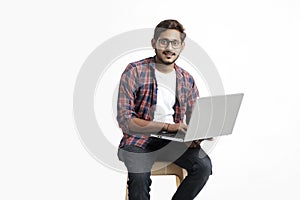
(212, 117)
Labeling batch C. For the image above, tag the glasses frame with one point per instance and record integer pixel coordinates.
(168, 43)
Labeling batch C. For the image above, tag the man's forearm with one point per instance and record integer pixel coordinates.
(143, 126)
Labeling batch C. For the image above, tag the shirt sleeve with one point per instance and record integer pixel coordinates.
(192, 96)
(126, 96)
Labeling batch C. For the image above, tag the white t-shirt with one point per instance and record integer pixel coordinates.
(166, 87)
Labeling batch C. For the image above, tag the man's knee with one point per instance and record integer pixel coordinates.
(139, 179)
(201, 167)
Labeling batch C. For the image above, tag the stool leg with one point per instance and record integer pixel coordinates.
(126, 195)
(179, 177)
(178, 181)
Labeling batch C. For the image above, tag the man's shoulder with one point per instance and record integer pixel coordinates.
(140, 63)
(183, 72)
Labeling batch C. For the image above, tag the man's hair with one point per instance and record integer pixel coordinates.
(169, 24)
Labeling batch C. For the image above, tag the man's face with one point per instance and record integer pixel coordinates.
(168, 46)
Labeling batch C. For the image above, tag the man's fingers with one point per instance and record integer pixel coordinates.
(183, 126)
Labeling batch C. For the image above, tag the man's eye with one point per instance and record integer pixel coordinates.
(164, 41)
(175, 43)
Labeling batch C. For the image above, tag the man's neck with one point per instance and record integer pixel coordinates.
(164, 68)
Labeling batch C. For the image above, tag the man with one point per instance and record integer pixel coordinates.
(154, 95)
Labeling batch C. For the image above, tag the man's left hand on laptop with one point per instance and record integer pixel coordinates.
(197, 143)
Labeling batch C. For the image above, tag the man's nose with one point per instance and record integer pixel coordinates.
(169, 46)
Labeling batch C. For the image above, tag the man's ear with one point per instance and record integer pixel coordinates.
(182, 46)
(153, 43)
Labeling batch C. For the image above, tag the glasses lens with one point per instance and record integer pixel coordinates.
(164, 43)
(175, 43)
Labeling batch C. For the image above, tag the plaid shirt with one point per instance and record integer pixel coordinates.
(138, 94)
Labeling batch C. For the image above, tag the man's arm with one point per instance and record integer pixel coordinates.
(192, 96)
(127, 117)
(127, 93)
(137, 125)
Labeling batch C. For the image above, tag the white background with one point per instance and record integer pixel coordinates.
(254, 44)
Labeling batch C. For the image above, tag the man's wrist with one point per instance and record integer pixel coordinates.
(166, 126)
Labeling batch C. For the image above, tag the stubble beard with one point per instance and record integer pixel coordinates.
(165, 62)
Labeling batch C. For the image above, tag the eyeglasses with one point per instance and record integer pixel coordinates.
(165, 43)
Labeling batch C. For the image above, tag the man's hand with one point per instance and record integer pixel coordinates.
(194, 143)
(197, 143)
(177, 127)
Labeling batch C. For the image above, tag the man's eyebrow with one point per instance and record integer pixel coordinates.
(168, 39)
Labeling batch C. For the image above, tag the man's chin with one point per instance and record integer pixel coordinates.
(167, 62)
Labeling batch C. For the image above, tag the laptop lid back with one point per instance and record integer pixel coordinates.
(213, 116)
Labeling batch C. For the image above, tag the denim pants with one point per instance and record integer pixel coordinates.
(139, 162)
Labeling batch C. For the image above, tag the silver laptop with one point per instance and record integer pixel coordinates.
(212, 117)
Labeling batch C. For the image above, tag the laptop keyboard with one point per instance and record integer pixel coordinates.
(175, 135)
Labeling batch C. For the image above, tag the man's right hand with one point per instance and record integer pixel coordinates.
(177, 127)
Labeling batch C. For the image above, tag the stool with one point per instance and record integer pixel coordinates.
(165, 168)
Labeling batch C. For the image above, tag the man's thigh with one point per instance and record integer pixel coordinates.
(180, 154)
(171, 152)
(136, 159)
(195, 158)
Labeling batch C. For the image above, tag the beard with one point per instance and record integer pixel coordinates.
(166, 62)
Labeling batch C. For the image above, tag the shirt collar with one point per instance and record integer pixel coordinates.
(176, 67)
